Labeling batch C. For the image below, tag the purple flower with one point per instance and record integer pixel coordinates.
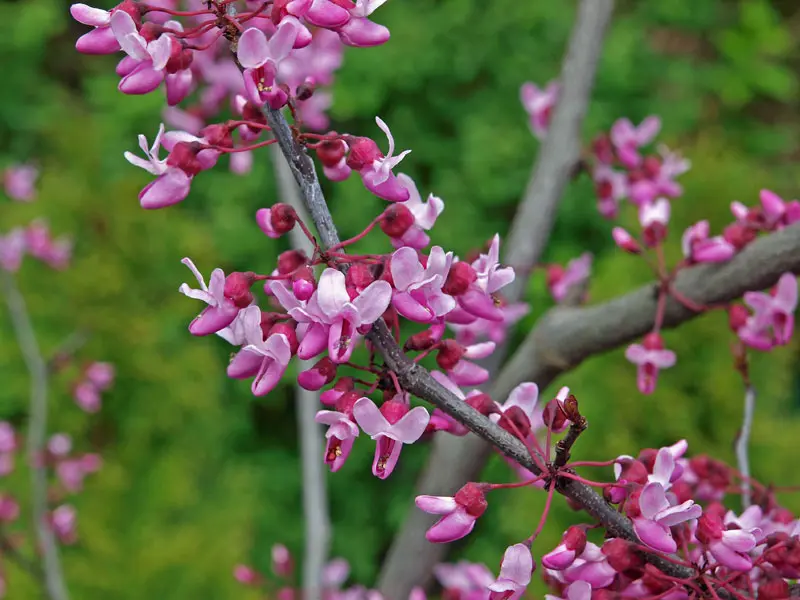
(12, 249)
(560, 281)
(649, 358)
(261, 59)
(478, 300)
(772, 321)
(515, 573)
(172, 183)
(658, 515)
(627, 138)
(100, 374)
(573, 542)
(592, 567)
(425, 215)
(341, 435)
(19, 182)
(391, 426)
(728, 546)
(149, 58)
(418, 290)
(459, 513)
(699, 248)
(539, 103)
(101, 39)
(377, 175)
(221, 310)
(266, 360)
(611, 186)
(87, 396)
(64, 521)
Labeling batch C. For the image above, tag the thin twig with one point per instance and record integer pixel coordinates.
(743, 442)
(564, 445)
(37, 432)
(315, 496)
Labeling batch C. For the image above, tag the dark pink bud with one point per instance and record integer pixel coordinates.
(472, 497)
(303, 283)
(133, 8)
(623, 557)
(329, 397)
(633, 471)
(283, 218)
(363, 152)
(217, 135)
(394, 410)
(285, 593)
(180, 58)
(305, 90)
(654, 234)
(737, 317)
(396, 220)
(358, 277)
(279, 11)
(654, 581)
(184, 157)
(515, 420)
(290, 260)
(460, 277)
(346, 401)
(603, 150)
(625, 241)
(331, 152)
(555, 273)
(709, 528)
(237, 288)
(251, 112)
(575, 539)
(420, 341)
(615, 494)
(653, 341)
(287, 329)
(651, 167)
(773, 589)
(483, 403)
(553, 416)
(739, 235)
(282, 563)
(450, 352)
(682, 490)
(247, 575)
(318, 376)
(150, 31)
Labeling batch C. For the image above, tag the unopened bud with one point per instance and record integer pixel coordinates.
(282, 563)
(318, 376)
(554, 417)
(603, 149)
(737, 317)
(773, 589)
(450, 352)
(287, 329)
(363, 152)
(625, 241)
(472, 497)
(653, 341)
(460, 277)
(184, 157)
(282, 218)
(623, 557)
(483, 403)
(396, 220)
(329, 397)
(359, 276)
(303, 283)
(237, 288)
(305, 90)
(217, 135)
(394, 410)
(571, 408)
(651, 167)
(331, 152)
(290, 260)
(515, 421)
(246, 575)
(420, 341)
(346, 401)
(739, 235)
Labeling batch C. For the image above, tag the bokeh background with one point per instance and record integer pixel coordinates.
(198, 474)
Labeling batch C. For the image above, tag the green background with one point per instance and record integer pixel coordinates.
(198, 474)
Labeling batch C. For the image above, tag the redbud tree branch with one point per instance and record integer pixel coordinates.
(743, 442)
(37, 431)
(411, 557)
(315, 496)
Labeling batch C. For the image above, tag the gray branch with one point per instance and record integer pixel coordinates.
(315, 496)
(743, 442)
(37, 432)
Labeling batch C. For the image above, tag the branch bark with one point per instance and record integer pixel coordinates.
(37, 432)
(743, 443)
(315, 496)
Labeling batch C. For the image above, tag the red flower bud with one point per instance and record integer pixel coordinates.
(460, 277)
(283, 218)
(217, 135)
(290, 260)
(287, 329)
(709, 528)
(394, 410)
(773, 589)
(653, 341)
(331, 152)
(180, 58)
(651, 167)
(555, 273)
(420, 341)
(553, 415)
(237, 288)
(483, 403)
(472, 498)
(396, 220)
(184, 157)
(575, 539)
(358, 276)
(633, 471)
(450, 352)
(150, 31)
(602, 149)
(363, 152)
(623, 557)
(305, 90)
(515, 420)
(346, 401)
(737, 317)
(739, 235)
(303, 283)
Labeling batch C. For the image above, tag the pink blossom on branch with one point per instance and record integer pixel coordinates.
(19, 182)
(539, 104)
(515, 573)
(375, 168)
(649, 357)
(424, 213)
(418, 294)
(658, 514)
(459, 513)
(772, 322)
(628, 138)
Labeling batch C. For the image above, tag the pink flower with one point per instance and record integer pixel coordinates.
(418, 292)
(391, 426)
(341, 435)
(39, 243)
(658, 515)
(376, 172)
(331, 314)
(571, 547)
(728, 546)
(59, 444)
(335, 573)
(478, 300)
(425, 215)
(465, 580)
(64, 520)
(611, 186)
(561, 280)
(149, 59)
(359, 31)
(459, 513)
(19, 182)
(625, 241)
(261, 59)
(627, 138)
(699, 248)
(539, 103)
(772, 321)
(12, 249)
(577, 590)
(649, 358)
(265, 360)
(72, 471)
(221, 310)
(654, 218)
(246, 575)
(101, 374)
(9, 510)
(87, 396)
(495, 331)
(520, 408)
(172, 183)
(592, 567)
(515, 573)
(101, 39)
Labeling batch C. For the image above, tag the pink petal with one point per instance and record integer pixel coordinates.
(525, 395)
(517, 565)
(327, 14)
(331, 292)
(168, 189)
(88, 15)
(786, 294)
(142, 80)
(454, 526)
(652, 500)
(729, 558)
(436, 505)
(468, 373)
(253, 50)
(559, 559)
(369, 417)
(268, 376)
(282, 42)
(373, 301)
(654, 535)
(389, 189)
(408, 307)
(739, 540)
(245, 364)
(98, 41)
(663, 359)
(410, 427)
(406, 268)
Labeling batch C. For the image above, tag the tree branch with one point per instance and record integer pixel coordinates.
(743, 441)
(37, 432)
(315, 496)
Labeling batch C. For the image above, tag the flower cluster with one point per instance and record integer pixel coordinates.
(36, 241)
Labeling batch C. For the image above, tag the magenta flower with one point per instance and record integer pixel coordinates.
(418, 292)
(391, 426)
(468, 581)
(425, 215)
(265, 360)
(341, 435)
(247, 575)
(101, 374)
(611, 186)
(459, 513)
(515, 573)
(359, 31)
(19, 182)
(146, 71)
(577, 272)
(465, 372)
(772, 321)
(40, 244)
(261, 59)
(728, 546)
(625, 241)
(172, 183)
(221, 310)
(654, 214)
(658, 515)
(87, 396)
(9, 512)
(699, 248)
(539, 103)
(520, 406)
(12, 249)
(331, 315)
(649, 358)
(64, 521)
(377, 174)
(571, 547)
(627, 138)
(592, 567)
(59, 444)
(577, 590)
(101, 39)
(478, 300)
(72, 471)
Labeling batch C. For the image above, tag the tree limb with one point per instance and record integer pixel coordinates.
(37, 432)
(743, 442)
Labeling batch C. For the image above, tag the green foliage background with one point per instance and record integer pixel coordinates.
(198, 474)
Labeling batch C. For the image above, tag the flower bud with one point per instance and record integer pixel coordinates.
(739, 235)
(358, 277)
(651, 167)
(331, 152)
(472, 497)
(305, 90)
(515, 420)
(460, 277)
(394, 410)
(709, 528)
(773, 589)
(329, 397)
(290, 260)
(554, 417)
(283, 218)
(653, 341)
(287, 329)
(363, 152)
(303, 283)
(318, 376)
(150, 31)
(247, 575)
(450, 352)
(282, 563)
(237, 288)
(217, 135)
(346, 401)
(603, 149)
(184, 157)
(623, 557)
(625, 241)
(615, 494)
(633, 470)
(555, 273)
(396, 220)
(483, 403)
(737, 317)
